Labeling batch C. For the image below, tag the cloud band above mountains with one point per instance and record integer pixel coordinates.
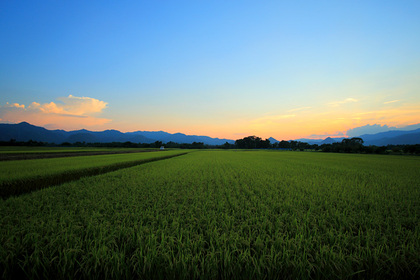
(68, 111)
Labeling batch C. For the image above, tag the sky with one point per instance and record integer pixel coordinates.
(226, 69)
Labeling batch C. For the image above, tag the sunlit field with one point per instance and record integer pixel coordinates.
(217, 215)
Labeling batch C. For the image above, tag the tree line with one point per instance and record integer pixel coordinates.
(128, 144)
(348, 145)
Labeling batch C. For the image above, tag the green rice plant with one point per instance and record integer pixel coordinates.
(223, 215)
(17, 177)
(26, 149)
(25, 153)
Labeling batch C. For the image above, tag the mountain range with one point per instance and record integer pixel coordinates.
(392, 137)
(25, 132)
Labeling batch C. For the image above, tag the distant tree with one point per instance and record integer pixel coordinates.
(80, 144)
(357, 140)
(249, 142)
(326, 148)
(171, 144)
(294, 145)
(349, 145)
(252, 142)
(368, 149)
(380, 150)
(396, 149)
(264, 144)
(303, 145)
(197, 145)
(129, 144)
(284, 144)
(412, 149)
(227, 146)
(158, 144)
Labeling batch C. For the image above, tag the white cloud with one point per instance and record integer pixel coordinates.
(72, 111)
(377, 128)
(14, 105)
(81, 105)
(368, 129)
(71, 105)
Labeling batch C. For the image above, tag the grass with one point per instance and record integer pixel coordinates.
(223, 215)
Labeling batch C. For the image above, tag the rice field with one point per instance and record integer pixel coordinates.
(20, 176)
(222, 215)
(26, 149)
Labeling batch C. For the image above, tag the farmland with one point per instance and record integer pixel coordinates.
(20, 176)
(19, 153)
(219, 215)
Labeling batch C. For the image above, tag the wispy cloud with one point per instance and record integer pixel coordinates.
(299, 109)
(326, 134)
(393, 101)
(400, 116)
(338, 103)
(73, 111)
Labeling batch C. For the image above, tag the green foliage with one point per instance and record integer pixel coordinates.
(223, 215)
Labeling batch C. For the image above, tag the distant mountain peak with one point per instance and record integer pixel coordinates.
(25, 132)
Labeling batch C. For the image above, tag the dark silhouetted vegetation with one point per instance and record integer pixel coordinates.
(252, 142)
(348, 145)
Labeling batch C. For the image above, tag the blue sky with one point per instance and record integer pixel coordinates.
(286, 69)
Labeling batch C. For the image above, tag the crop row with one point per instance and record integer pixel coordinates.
(49, 150)
(26, 156)
(17, 177)
(223, 215)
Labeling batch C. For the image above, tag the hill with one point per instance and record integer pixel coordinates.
(25, 132)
